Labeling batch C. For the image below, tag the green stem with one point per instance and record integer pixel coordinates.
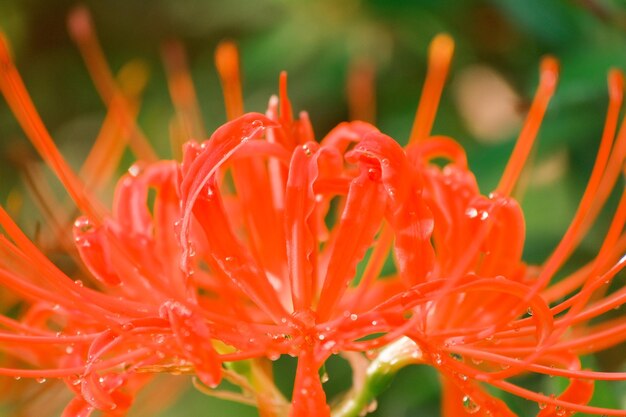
(378, 377)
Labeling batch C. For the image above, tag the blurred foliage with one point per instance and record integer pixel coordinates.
(315, 41)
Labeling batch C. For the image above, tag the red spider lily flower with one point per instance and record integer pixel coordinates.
(249, 250)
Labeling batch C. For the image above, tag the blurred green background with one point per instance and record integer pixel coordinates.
(499, 44)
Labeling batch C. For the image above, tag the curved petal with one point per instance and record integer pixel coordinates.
(408, 213)
(309, 399)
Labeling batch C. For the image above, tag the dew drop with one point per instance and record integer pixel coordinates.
(307, 150)
(79, 283)
(69, 350)
(324, 377)
(17, 378)
(81, 242)
(529, 311)
(135, 170)
(471, 212)
(371, 354)
(373, 174)
(384, 162)
(469, 405)
(353, 317)
(83, 224)
(41, 380)
(437, 359)
(330, 345)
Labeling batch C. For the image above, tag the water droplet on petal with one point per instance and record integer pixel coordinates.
(373, 174)
(371, 354)
(83, 224)
(330, 345)
(324, 377)
(469, 405)
(471, 212)
(135, 170)
(41, 380)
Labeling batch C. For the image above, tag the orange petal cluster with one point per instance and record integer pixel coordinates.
(263, 241)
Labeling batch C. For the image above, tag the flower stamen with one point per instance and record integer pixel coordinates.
(227, 64)
(439, 58)
(548, 76)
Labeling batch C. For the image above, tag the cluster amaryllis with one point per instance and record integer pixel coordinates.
(247, 249)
